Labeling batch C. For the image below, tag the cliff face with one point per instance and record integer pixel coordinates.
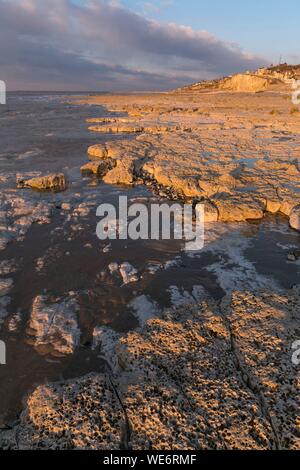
(251, 81)
(246, 83)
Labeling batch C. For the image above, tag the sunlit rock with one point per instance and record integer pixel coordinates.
(54, 182)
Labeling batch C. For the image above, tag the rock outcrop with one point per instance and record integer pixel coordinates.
(238, 157)
(53, 182)
(53, 327)
(123, 173)
(239, 187)
(246, 83)
(251, 81)
(98, 169)
(295, 218)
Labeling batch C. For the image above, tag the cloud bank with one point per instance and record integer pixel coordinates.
(56, 44)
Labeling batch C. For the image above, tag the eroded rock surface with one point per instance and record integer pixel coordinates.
(205, 376)
(81, 414)
(240, 154)
(17, 214)
(53, 326)
(202, 376)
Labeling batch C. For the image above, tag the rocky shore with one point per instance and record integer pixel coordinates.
(238, 152)
(205, 374)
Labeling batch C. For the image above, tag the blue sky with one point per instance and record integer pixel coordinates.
(267, 27)
(141, 44)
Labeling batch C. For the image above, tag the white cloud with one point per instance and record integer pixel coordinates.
(102, 45)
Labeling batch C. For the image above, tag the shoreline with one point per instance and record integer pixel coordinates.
(234, 189)
(236, 377)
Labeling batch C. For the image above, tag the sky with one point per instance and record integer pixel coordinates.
(132, 45)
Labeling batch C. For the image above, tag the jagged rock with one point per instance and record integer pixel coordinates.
(121, 174)
(98, 169)
(54, 182)
(273, 206)
(91, 168)
(186, 185)
(233, 209)
(97, 151)
(295, 218)
(287, 206)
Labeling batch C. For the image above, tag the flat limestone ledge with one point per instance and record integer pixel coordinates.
(239, 186)
(273, 107)
(210, 376)
(241, 153)
(131, 129)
